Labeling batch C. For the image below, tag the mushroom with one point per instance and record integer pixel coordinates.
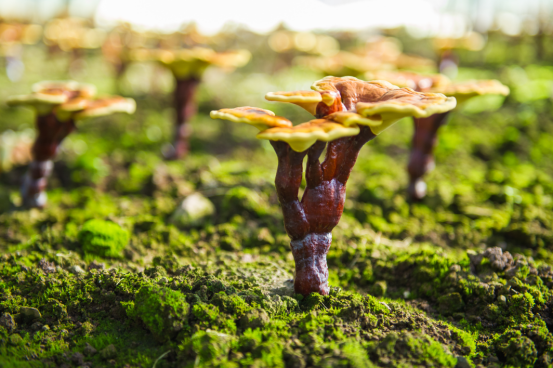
(449, 61)
(74, 35)
(349, 112)
(188, 66)
(58, 105)
(426, 128)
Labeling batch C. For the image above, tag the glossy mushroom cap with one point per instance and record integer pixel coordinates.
(376, 99)
(260, 118)
(71, 100)
(192, 62)
(342, 105)
(439, 83)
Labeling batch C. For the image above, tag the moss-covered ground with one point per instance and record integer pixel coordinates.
(461, 279)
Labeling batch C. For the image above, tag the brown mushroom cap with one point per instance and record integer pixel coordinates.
(193, 61)
(398, 103)
(376, 104)
(462, 91)
(377, 100)
(301, 137)
(259, 118)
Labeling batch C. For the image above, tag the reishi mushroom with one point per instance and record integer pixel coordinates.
(426, 128)
(188, 66)
(58, 105)
(349, 112)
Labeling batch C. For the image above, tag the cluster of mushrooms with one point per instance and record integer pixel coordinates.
(348, 112)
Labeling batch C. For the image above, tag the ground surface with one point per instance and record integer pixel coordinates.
(461, 279)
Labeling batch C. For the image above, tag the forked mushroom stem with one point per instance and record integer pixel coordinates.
(51, 132)
(309, 222)
(185, 106)
(421, 160)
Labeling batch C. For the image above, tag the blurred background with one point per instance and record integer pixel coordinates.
(493, 183)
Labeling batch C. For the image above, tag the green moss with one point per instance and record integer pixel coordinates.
(406, 350)
(163, 311)
(103, 238)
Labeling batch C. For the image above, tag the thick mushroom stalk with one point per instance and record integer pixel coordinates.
(188, 66)
(351, 113)
(58, 106)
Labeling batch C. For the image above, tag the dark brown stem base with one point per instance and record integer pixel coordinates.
(51, 133)
(185, 108)
(309, 222)
(33, 192)
(311, 274)
(421, 160)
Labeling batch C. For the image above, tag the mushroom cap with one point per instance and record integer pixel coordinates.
(259, 118)
(462, 91)
(398, 103)
(416, 81)
(301, 137)
(376, 100)
(105, 106)
(306, 99)
(48, 93)
(193, 61)
(348, 118)
(70, 99)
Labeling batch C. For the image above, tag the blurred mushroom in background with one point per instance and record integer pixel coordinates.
(425, 135)
(75, 36)
(380, 53)
(58, 105)
(446, 49)
(187, 66)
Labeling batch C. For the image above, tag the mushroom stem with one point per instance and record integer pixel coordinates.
(311, 274)
(309, 222)
(185, 106)
(422, 153)
(51, 132)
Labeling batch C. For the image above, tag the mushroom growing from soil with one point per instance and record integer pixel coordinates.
(426, 129)
(58, 105)
(188, 66)
(349, 112)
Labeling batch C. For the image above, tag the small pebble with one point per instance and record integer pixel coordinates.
(76, 269)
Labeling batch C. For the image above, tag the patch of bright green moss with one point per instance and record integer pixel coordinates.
(103, 238)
